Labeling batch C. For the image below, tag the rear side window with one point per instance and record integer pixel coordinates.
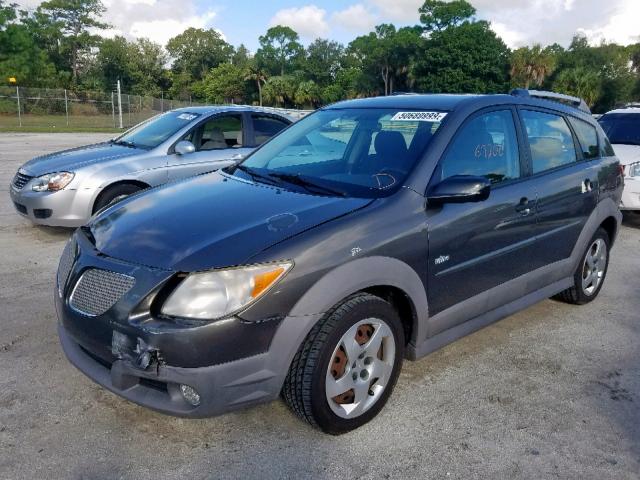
(486, 146)
(266, 127)
(587, 136)
(550, 140)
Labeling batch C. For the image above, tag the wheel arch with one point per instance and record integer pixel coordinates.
(385, 277)
(138, 183)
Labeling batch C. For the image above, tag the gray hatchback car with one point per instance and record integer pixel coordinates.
(66, 188)
(371, 231)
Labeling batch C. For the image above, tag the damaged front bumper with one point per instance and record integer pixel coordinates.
(133, 352)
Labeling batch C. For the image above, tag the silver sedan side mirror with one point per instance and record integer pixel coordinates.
(184, 146)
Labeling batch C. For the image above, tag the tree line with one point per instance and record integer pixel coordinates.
(448, 50)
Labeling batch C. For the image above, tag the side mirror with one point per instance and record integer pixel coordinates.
(184, 147)
(460, 189)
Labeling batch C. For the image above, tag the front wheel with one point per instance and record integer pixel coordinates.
(347, 367)
(591, 272)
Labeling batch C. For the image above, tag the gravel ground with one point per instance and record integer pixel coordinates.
(552, 392)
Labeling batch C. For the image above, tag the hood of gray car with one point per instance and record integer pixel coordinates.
(75, 158)
(211, 221)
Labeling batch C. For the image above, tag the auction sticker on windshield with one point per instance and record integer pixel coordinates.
(187, 116)
(418, 117)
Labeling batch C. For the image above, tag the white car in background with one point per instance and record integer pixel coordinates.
(622, 126)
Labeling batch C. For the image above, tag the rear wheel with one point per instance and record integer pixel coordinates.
(591, 272)
(347, 367)
(114, 194)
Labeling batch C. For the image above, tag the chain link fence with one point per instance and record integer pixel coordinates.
(59, 108)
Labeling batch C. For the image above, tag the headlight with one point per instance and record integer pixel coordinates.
(634, 170)
(216, 294)
(52, 182)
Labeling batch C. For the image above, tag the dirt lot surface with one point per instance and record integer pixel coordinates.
(552, 392)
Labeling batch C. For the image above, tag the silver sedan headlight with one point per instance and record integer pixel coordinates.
(219, 293)
(52, 182)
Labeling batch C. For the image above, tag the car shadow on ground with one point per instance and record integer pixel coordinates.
(631, 219)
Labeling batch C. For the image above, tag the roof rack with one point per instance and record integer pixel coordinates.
(575, 102)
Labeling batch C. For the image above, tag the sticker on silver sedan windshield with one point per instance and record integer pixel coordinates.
(418, 117)
(187, 116)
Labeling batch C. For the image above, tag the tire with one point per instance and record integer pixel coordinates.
(359, 318)
(591, 272)
(114, 194)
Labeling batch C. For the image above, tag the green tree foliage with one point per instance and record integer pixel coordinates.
(75, 20)
(280, 90)
(57, 45)
(436, 15)
(466, 58)
(323, 61)
(20, 55)
(196, 51)
(138, 65)
(225, 84)
(580, 82)
(280, 50)
(532, 65)
(386, 53)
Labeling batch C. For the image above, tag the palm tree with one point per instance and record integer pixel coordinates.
(531, 65)
(581, 83)
(256, 74)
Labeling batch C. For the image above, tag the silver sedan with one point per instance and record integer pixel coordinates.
(66, 188)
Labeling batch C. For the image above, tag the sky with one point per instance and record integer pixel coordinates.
(518, 22)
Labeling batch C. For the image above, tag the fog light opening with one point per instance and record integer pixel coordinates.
(190, 394)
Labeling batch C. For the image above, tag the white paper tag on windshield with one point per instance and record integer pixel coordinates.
(186, 116)
(418, 117)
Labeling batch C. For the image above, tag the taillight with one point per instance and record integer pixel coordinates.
(622, 167)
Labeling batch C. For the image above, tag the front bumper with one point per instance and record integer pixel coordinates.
(65, 208)
(231, 363)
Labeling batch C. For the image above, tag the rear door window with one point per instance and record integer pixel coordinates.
(550, 140)
(266, 126)
(486, 146)
(588, 138)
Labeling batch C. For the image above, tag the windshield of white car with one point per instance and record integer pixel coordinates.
(622, 128)
(153, 132)
(355, 152)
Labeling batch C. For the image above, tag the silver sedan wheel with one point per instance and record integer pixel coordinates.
(594, 267)
(360, 368)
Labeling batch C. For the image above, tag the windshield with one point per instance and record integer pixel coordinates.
(622, 128)
(153, 132)
(348, 152)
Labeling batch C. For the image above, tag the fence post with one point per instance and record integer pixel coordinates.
(66, 106)
(129, 108)
(113, 111)
(119, 106)
(18, 98)
(161, 101)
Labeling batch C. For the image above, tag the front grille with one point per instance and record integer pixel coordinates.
(99, 290)
(20, 180)
(66, 262)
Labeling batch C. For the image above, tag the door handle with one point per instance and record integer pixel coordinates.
(524, 207)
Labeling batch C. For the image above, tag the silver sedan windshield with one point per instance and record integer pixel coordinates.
(152, 133)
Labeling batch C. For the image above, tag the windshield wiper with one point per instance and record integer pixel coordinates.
(296, 179)
(257, 175)
(124, 143)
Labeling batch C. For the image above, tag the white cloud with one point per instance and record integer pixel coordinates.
(157, 20)
(524, 22)
(399, 10)
(309, 21)
(622, 26)
(356, 18)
